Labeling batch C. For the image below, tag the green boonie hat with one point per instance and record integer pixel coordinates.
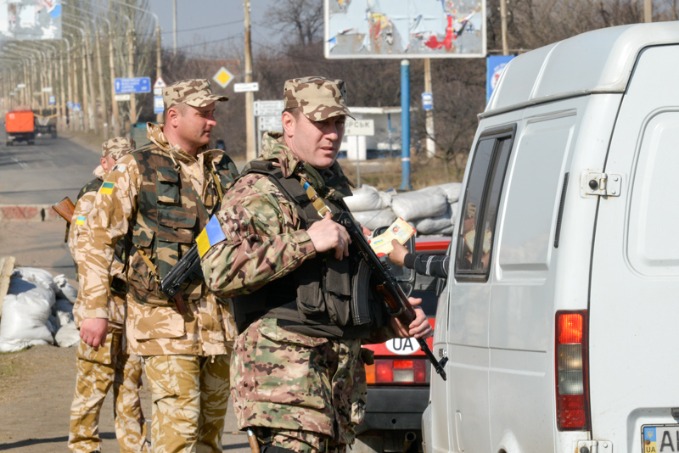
(193, 92)
(318, 98)
(116, 147)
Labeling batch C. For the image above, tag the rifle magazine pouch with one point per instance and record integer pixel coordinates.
(361, 290)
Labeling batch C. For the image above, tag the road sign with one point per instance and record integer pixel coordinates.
(359, 127)
(158, 106)
(268, 108)
(243, 87)
(223, 77)
(132, 85)
(158, 87)
(270, 123)
(427, 101)
(53, 100)
(122, 97)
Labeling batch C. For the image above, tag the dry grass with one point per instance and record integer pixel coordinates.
(385, 173)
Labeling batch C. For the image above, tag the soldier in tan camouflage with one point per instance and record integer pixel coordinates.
(109, 366)
(298, 377)
(161, 196)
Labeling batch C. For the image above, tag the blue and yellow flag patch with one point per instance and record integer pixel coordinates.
(212, 234)
(80, 220)
(106, 188)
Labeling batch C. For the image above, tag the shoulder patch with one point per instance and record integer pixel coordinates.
(212, 234)
(106, 188)
(119, 167)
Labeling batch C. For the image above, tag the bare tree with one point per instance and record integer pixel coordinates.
(301, 20)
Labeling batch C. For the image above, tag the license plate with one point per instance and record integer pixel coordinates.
(660, 438)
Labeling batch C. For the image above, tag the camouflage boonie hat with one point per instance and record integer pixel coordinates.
(318, 98)
(193, 92)
(116, 147)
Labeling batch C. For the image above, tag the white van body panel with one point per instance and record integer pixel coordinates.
(604, 101)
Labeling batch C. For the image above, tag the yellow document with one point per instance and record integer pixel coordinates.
(399, 230)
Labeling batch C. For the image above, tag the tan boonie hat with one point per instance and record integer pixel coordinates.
(318, 97)
(193, 92)
(116, 147)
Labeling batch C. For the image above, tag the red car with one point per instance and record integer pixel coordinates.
(398, 382)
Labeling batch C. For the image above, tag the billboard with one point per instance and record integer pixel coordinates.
(405, 28)
(30, 19)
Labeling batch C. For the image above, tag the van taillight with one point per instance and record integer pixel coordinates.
(398, 371)
(572, 406)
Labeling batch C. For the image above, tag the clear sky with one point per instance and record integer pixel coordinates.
(208, 24)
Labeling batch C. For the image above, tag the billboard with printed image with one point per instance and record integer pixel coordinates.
(405, 28)
(30, 19)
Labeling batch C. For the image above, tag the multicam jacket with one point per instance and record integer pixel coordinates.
(162, 209)
(76, 232)
(263, 239)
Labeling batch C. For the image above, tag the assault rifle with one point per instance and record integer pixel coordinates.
(187, 267)
(394, 296)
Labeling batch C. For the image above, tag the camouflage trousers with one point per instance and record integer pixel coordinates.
(302, 393)
(97, 371)
(190, 396)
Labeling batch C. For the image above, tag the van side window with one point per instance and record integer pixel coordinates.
(481, 202)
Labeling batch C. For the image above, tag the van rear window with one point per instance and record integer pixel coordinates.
(481, 202)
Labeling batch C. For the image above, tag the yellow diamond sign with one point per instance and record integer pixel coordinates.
(223, 77)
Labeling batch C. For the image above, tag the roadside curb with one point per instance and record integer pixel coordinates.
(35, 212)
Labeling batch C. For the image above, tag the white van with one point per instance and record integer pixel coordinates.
(563, 298)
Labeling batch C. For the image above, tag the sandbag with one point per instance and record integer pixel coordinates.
(67, 336)
(365, 198)
(64, 289)
(424, 203)
(434, 225)
(375, 219)
(452, 191)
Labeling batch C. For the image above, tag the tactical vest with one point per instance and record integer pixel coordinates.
(324, 297)
(91, 186)
(170, 213)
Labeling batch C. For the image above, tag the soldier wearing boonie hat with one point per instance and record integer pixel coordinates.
(160, 196)
(109, 367)
(274, 249)
(194, 92)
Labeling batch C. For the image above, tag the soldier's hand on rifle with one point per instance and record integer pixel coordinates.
(419, 328)
(327, 235)
(93, 331)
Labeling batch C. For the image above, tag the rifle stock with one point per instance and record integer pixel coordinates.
(65, 208)
(394, 297)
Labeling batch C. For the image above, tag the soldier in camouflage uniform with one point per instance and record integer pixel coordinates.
(161, 196)
(298, 378)
(109, 365)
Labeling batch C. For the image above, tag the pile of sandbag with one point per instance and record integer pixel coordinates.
(38, 309)
(431, 210)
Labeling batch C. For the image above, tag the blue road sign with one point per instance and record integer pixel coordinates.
(132, 85)
(427, 101)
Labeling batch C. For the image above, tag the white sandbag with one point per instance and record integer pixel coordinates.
(424, 203)
(365, 198)
(35, 275)
(434, 225)
(24, 320)
(67, 336)
(64, 289)
(386, 197)
(452, 191)
(375, 219)
(63, 309)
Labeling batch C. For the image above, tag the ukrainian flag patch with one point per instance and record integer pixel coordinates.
(106, 188)
(80, 220)
(212, 234)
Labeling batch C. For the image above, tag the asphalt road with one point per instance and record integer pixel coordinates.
(42, 174)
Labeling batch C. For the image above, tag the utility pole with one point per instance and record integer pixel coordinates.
(174, 27)
(503, 26)
(648, 10)
(250, 151)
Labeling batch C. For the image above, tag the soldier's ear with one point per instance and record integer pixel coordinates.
(289, 121)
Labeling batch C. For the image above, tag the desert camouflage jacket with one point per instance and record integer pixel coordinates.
(76, 231)
(262, 229)
(154, 325)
